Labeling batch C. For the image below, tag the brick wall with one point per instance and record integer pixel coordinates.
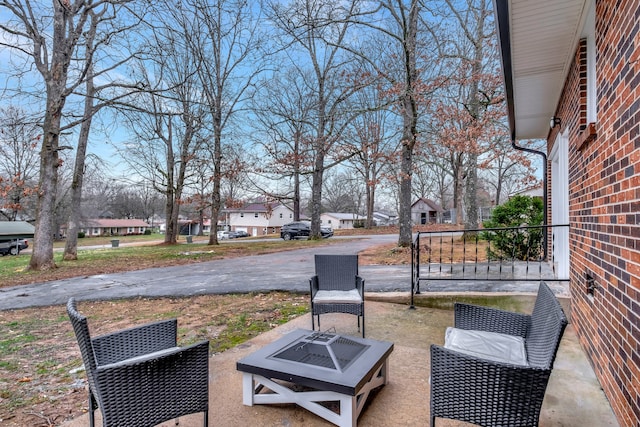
(604, 204)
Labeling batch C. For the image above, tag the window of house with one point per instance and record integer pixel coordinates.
(255, 215)
(241, 214)
(280, 214)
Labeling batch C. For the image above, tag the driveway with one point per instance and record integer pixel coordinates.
(286, 271)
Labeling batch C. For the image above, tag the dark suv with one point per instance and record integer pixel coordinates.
(294, 230)
(13, 247)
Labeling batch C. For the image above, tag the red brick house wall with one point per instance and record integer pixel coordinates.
(604, 204)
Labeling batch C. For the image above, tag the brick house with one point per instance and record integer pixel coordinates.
(111, 227)
(572, 77)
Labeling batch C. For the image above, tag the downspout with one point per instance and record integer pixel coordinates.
(545, 222)
(501, 8)
(544, 176)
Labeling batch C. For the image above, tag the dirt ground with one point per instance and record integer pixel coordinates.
(40, 380)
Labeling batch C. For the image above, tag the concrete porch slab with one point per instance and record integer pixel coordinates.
(573, 399)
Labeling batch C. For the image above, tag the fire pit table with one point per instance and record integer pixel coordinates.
(326, 368)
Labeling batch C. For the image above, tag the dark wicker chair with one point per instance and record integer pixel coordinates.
(337, 288)
(490, 393)
(139, 377)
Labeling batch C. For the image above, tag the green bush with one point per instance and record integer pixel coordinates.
(81, 235)
(147, 232)
(517, 242)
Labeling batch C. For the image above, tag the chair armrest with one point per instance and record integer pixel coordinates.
(468, 316)
(183, 372)
(134, 342)
(467, 388)
(313, 284)
(360, 285)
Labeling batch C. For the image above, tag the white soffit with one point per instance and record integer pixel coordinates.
(543, 35)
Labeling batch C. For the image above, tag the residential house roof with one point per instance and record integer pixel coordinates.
(16, 229)
(114, 223)
(255, 207)
(344, 216)
(538, 40)
(433, 205)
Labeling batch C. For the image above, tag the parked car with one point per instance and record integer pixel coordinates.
(13, 247)
(224, 235)
(295, 230)
(241, 233)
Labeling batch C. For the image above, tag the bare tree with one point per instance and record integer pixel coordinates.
(96, 98)
(169, 122)
(370, 141)
(343, 192)
(477, 79)
(50, 37)
(284, 109)
(411, 76)
(223, 38)
(316, 33)
(19, 139)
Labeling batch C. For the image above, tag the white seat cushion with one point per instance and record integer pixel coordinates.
(338, 297)
(487, 345)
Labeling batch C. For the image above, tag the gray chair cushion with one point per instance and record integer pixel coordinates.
(487, 345)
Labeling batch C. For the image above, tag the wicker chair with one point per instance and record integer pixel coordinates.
(139, 377)
(337, 288)
(492, 393)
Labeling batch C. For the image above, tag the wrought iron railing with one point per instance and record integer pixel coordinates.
(517, 254)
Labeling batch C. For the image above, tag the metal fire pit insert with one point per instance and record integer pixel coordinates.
(334, 368)
(324, 350)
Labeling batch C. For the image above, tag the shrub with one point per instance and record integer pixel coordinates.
(515, 241)
(147, 232)
(81, 235)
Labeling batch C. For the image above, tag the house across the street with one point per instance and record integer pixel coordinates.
(426, 211)
(339, 220)
(258, 219)
(110, 227)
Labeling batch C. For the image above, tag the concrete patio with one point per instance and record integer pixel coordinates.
(573, 398)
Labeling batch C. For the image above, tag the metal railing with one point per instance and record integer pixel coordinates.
(517, 254)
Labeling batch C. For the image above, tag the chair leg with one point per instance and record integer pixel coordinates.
(206, 418)
(313, 324)
(91, 410)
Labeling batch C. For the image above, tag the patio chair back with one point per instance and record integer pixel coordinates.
(139, 377)
(336, 272)
(547, 326)
(81, 330)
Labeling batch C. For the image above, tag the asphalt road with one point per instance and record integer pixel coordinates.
(287, 271)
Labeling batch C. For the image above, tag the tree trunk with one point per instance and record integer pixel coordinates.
(56, 80)
(171, 207)
(216, 205)
(409, 132)
(404, 217)
(73, 225)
